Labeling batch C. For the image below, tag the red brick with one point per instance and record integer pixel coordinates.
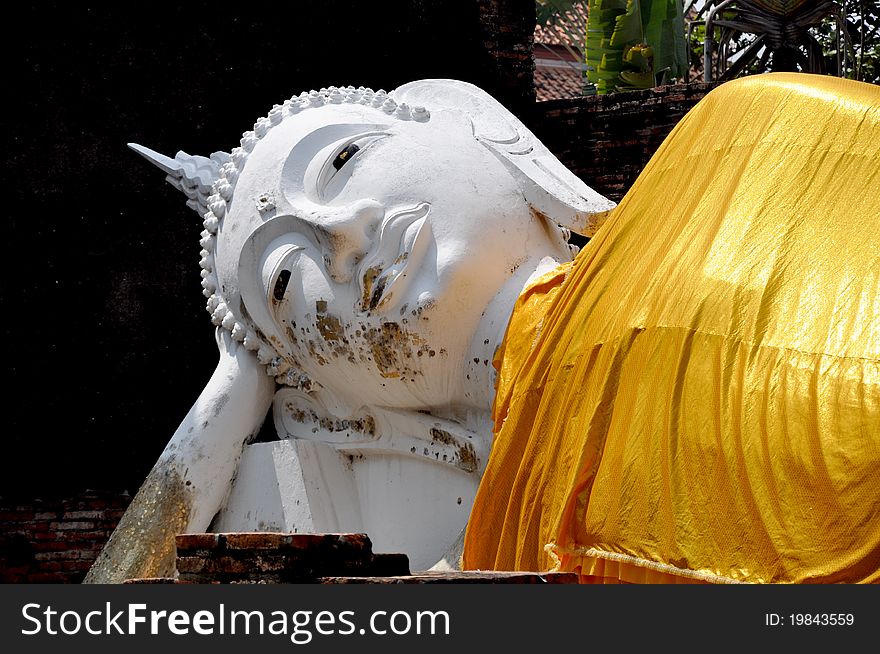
(55, 545)
(227, 565)
(16, 516)
(190, 564)
(79, 565)
(98, 535)
(50, 566)
(95, 504)
(46, 515)
(64, 526)
(60, 555)
(187, 542)
(83, 515)
(92, 547)
(286, 541)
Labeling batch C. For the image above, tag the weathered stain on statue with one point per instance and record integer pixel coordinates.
(467, 456)
(158, 512)
(369, 278)
(365, 425)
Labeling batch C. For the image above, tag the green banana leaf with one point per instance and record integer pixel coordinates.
(631, 44)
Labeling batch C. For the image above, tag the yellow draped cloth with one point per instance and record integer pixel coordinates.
(697, 396)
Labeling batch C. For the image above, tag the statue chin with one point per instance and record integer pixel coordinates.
(361, 257)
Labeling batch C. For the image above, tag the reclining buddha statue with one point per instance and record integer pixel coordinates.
(694, 398)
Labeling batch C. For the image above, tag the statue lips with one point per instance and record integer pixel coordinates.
(402, 243)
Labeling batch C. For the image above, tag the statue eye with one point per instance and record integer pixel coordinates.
(334, 173)
(281, 285)
(279, 272)
(345, 155)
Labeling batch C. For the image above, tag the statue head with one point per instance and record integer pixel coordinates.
(355, 239)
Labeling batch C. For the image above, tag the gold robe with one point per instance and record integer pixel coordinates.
(697, 396)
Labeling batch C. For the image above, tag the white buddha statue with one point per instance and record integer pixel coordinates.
(365, 250)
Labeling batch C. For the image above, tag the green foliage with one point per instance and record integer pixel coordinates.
(817, 49)
(863, 27)
(735, 43)
(635, 44)
(550, 11)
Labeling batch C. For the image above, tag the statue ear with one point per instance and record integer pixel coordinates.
(548, 186)
(256, 252)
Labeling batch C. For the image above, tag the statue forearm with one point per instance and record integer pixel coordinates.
(191, 479)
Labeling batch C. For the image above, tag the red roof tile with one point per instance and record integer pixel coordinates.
(555, 83)
(558, 58)
(555, 35)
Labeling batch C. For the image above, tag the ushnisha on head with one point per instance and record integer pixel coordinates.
(356, 238)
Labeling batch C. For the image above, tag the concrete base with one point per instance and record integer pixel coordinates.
(306, 487)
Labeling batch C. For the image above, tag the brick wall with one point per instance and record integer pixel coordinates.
(508, 30)
(55, 541)
(606, 140)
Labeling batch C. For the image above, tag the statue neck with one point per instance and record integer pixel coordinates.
(479, 372)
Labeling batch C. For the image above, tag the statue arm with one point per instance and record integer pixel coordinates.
(191, 480)
(207, 445)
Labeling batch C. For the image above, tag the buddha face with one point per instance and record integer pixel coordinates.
(365, 249)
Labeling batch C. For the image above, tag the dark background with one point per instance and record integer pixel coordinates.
(107, 340)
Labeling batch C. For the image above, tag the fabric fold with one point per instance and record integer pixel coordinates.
(697, 396)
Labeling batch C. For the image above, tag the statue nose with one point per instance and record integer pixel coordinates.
(348, 234)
